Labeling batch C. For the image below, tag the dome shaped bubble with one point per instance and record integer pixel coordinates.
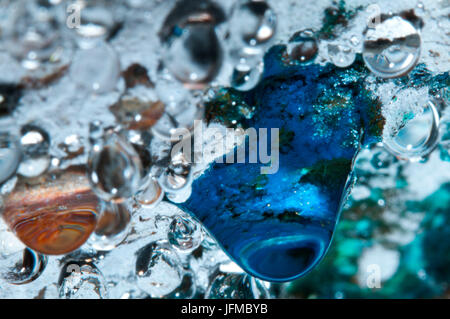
(392, 48)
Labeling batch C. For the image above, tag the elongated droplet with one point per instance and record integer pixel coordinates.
(53, 214)
(114, 169)
(35, 143)
(392, 48)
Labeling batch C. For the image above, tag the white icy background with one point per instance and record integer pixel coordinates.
(59, 107)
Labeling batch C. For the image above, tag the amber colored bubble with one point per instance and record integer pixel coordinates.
(53, 214)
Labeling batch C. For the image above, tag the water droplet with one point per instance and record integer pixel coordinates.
(35, 143)
(18, 264)
(185, 234)
(31, 35)
(193, 54)
(96, 20)
(187, 288)
(392, 48)
(341, 55)
(82, 281)
(177, 176)
(53, 214)
(114, 168)
(253, 22)
(180, 196)
(177, 117)
(10, 155)
(417, 137)
(138, 109)
(302, 46)
(158, 270)
(236, 286)
(151, 196)
(246, 76)
(96, 68)
(112, 227)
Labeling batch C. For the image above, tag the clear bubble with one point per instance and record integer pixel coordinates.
(18, 264)
(187, 288)
(302, 46)
(193, 54)
(96, 20)
(341, 55)
(392, 48)
(246, 75)
(96, 68)
(151, 196)
(35, 144)
(114, 168)
(180, 196)
(138, 109)
(253, 21)
(417, 137)
(236, 286)
(112, 227)
(185, 234)
(10, 155)
(81, 281)
(158, 270)
(181, 117)
(32, 35)
(178, 175)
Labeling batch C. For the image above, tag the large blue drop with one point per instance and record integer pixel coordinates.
(278, 226)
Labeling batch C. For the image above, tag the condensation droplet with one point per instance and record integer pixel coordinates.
(185, 234)
(254, 22)
(114, 168)
(417, 137)
(302, 46)
(392, 48)
(112, 227)
(96, 68)
(158, 270)
(82, 281)
(30, 37)
(187, 288)
(10, 155)
(35, 144)
(246, 75)
(180, 196)
(236, 286)
(151, 196)
(193, 54)
(177, 176)
(341, 55)
(18, 264)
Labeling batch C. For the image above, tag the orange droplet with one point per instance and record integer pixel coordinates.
(53, 214)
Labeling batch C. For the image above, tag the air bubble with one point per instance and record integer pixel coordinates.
(237, 286)
(112, 227)
(185, 234)
(418, 136)
(392, 48)
(10, 155)
(341, 55)
(35, 144)
(114, 168)
(82, 281)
